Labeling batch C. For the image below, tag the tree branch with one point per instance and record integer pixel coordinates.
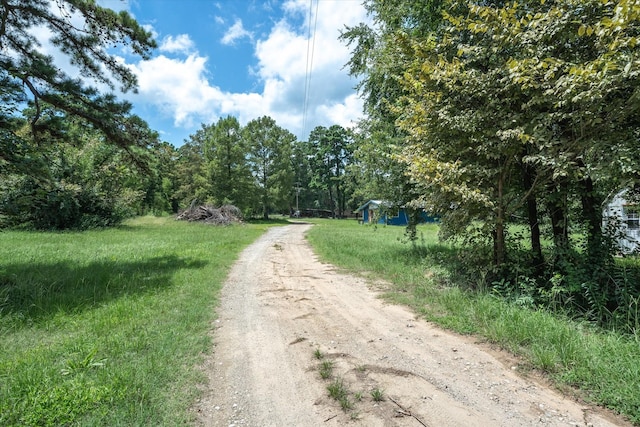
(36, 96)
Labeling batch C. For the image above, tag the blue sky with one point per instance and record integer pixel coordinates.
(245, 58)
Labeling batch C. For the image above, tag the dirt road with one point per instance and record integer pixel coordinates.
(280, 305)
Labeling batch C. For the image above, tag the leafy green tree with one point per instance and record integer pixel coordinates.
(482, 107)
(213, 167)
(83, 185)
(508, 111)
(304, 194)
(588, 137)
(69, 127)
(228, 172)
(269, 156)
(190, 172)
(461, 112)
(379, 61)
(160, 183)
(505, 106)
(376, 172)
(332, 150)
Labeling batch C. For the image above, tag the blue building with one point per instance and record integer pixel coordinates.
(382, 212)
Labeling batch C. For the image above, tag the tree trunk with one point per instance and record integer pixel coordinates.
(499, 246)
(332, 202)
(534, 224)
(559, 225)
(265, 193)
(499, 250)
(598, 255)
(558, 215)
(339, 198)
(338, 189)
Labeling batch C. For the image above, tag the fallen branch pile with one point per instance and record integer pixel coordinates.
(224, 215)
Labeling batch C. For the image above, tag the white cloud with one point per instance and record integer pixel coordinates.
(345, 113)
(149, 28)
(283, 54)
(289, 61)
(183, 89)
(235, 32)
(297, 6)
(179, 44)
(178, 86)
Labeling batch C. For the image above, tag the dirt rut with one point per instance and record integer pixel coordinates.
(280, 304)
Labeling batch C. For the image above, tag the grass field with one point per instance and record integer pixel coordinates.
(604, 366)
(108, 327)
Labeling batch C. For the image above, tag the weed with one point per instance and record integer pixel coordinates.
(89, 361)
(318, 354)
(326, 369)
(358, 396)
(345, 404)
(377, 395)
(337, 389)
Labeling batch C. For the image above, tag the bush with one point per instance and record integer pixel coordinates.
(60, 206)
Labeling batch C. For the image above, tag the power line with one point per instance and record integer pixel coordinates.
(311, 43)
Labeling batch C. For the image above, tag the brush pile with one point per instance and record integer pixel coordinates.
(224, 215)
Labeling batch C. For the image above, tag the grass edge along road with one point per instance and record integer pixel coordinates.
(604, 366)
(108, 327)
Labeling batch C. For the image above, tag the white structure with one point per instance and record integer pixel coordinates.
(625, 216)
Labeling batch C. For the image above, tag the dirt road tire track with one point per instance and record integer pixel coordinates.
(280, 304)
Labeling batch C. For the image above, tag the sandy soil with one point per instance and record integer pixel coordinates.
(280, 304)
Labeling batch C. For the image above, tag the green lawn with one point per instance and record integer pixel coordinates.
(108, 327)
(428, 277)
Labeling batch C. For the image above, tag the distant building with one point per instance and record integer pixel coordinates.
(382, 212)
(624, 215)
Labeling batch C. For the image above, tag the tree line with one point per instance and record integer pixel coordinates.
(262, 168)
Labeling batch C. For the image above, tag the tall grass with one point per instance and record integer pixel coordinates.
(107, 327)
(429, 276)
